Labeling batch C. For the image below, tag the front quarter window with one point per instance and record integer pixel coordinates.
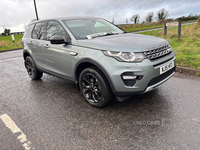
(54, 28)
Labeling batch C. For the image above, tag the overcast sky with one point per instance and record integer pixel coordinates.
(15, 14)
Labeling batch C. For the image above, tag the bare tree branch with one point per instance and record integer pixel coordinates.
(149, 17)
(135, 18)
(162, 14)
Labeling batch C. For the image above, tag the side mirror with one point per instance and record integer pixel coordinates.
(56, 39)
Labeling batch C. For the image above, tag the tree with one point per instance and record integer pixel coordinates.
(149, 17)
(135, 18)
(191, 15)
(162, 14)
(6, 32)
(126, 20)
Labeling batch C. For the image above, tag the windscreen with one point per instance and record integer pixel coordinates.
(81, 28)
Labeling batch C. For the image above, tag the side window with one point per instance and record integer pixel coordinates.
(28, 31)
(39, 31)
(54, 28)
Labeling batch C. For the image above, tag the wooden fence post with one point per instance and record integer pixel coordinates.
(165, 28)
(179, 28)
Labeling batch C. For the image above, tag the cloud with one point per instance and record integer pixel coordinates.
(16, 13)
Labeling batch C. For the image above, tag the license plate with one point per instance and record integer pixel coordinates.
(166, 67)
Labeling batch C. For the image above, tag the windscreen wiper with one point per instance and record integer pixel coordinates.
(96, 35)
(91, 36)
(117, 32)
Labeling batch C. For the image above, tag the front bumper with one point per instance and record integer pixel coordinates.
(166, 76)
(150, 88)
(149, 70)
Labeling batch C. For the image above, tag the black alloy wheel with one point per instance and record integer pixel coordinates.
(94, 87)
(33, 72)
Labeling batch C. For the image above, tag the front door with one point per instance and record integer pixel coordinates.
(57, 56)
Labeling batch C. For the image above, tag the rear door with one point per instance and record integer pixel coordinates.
(37, 43)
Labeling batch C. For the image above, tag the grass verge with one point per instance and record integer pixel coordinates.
(145, 26)
(6, 42)
(187, 48)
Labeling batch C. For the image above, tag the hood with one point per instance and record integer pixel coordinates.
(128, 42)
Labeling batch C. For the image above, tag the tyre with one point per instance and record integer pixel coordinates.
(32, 70)
(94, 87)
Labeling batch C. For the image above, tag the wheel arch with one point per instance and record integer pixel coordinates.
(26, 53)
(87, 62)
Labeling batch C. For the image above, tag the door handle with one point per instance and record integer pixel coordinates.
(73, 53)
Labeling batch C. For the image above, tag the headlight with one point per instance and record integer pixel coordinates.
(125, 56)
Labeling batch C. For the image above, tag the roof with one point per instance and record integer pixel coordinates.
(62, 18)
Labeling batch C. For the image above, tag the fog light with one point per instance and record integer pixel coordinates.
(125, 77)
(129, 79)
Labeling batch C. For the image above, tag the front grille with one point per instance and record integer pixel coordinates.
(156, 53)
(161, 77)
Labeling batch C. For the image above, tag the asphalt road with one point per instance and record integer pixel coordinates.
(51, 114)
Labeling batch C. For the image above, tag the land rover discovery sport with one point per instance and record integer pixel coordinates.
(100, 58)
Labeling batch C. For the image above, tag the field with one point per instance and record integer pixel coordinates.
(187, 48)
(6, 42)
(145, 26)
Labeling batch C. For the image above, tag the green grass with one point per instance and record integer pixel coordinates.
(139, 27)
(136, 27)
(189, 21)
(146, 26)
(187, 48)
(6, 42)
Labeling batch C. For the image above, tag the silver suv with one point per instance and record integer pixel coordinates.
(100, 58)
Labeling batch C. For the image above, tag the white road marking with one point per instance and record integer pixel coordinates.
(195, 119)
(13, 127)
